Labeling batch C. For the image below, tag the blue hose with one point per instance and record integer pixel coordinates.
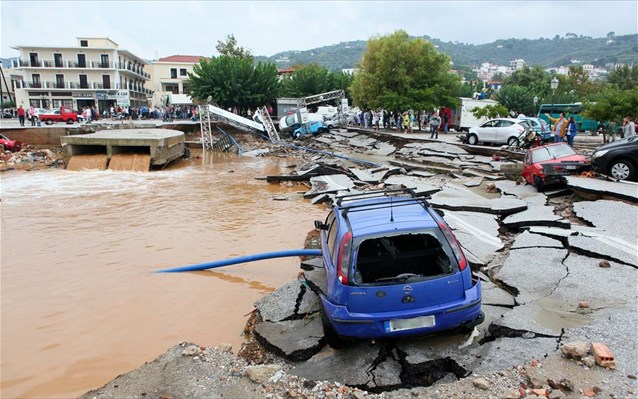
(243, 259)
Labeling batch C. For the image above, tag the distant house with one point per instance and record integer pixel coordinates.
(169, 79)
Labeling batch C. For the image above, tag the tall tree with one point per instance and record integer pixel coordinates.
(625, 77)
(230, 48)
(308, 80)
(235, 82)
(398, 73)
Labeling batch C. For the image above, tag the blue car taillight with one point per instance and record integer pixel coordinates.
(456, 247)
(344, 258)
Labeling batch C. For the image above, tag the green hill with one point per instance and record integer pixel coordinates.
(560, 50)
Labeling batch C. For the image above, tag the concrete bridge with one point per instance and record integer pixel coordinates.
(163, 145)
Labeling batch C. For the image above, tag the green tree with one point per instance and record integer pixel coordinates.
(625, 77)
(534, 79)
(235, 82)
(230, 48)
(308, 80)
(399, 73)
(489, 111)
(612, 104)
(517, 98)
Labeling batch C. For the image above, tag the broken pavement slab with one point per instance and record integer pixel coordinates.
(292, 300)
(420, 185)
(606, 246)
(349, 366)
(535, 215)
(622, 189)
(613, 216)
(477, 233)
(296, 340)
(528, 239)
(460, 198)
(329, 184)
(534, 272)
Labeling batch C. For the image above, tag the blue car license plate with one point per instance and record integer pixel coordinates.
(409, 324)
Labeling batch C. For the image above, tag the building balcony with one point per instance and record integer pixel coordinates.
(134, 69)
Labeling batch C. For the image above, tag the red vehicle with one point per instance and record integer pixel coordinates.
(63, 114)
(549, 163)
(8, 144)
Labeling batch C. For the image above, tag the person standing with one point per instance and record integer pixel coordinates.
(32, 115)
(21, 115)
(435, 122)
(571, 131)
(560, 125)
(411, 121)
(628, 127)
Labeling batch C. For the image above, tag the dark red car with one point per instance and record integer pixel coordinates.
(8, 144)
(549, 163)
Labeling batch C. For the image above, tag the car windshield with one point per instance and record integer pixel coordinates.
(402, 257)
(552, 152)
(290, 120)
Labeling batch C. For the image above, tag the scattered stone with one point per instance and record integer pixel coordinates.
(261, 374)
(190, 351)
(631, 376)
(553, 384)
(555, 395)
(588, 361)
(597, 389)
(575, 350)
(513, 394)
(567, 385)
(225, 347)
(481, 383)
(490, 188)
(604, 264)
(539, 392)
(533, 379)
(589, 393)
(583, 305)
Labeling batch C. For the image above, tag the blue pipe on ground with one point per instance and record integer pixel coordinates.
(244, 259)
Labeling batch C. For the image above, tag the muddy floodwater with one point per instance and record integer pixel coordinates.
(80, 302)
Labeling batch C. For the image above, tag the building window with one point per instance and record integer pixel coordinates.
(59, 81)
(106, 81)
(173, 88)
(84, 83)
(104, 61)
(186, 89)
(33, 60)
(82, 60)
(35, 79)
(173, 73)
(84, 43)
(182, 72)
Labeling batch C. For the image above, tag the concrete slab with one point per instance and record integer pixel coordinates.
(606, 246)
(329, 184)
(505, 353)
(615, 217)
(290, 300)
(420, 185)
(473, 183)
(460, 198)
(623, 190)
(531, 240)
(348, 366)
(477, 233)
(362, 142)
(163, 145)
(496, 296)
(544, 317)
(381, 148)
(534, 272)
(536, 216)
(443, 148)
(368, 175)
(296, 340)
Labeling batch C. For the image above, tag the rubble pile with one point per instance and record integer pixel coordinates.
(31, 158)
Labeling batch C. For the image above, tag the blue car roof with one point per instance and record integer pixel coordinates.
(380, 215)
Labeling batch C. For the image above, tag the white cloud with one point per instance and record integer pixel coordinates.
(153, 29)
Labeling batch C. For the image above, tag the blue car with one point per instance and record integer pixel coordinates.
(393, 268)
(311, 128)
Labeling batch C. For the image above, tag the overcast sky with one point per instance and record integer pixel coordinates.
(155, 29)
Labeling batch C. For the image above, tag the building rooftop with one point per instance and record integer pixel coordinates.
(181, 58)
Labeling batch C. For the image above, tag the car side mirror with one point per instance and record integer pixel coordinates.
(320, 225)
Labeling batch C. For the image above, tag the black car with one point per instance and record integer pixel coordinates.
(618, 159)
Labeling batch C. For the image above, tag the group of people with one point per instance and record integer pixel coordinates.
(403, 121)
(566, 129)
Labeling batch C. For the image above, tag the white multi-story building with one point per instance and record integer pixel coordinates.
(517, 64)
(169, 79)
(96, 73)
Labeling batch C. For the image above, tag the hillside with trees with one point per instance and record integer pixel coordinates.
(557, 51)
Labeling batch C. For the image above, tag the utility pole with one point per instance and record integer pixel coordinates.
(1, 93)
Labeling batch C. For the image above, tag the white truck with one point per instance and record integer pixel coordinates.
(462, 118)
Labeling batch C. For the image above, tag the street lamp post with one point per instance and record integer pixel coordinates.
(535, 102)
(554, 85)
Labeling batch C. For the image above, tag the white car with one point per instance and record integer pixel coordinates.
(498, 131)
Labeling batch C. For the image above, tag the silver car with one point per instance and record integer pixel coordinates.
(498, 131)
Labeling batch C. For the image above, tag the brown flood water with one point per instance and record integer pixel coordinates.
(80, 302)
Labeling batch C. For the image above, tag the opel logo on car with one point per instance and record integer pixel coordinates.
(407, 289)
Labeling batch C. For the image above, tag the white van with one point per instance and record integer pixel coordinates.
(329, 112)
(291, 121)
